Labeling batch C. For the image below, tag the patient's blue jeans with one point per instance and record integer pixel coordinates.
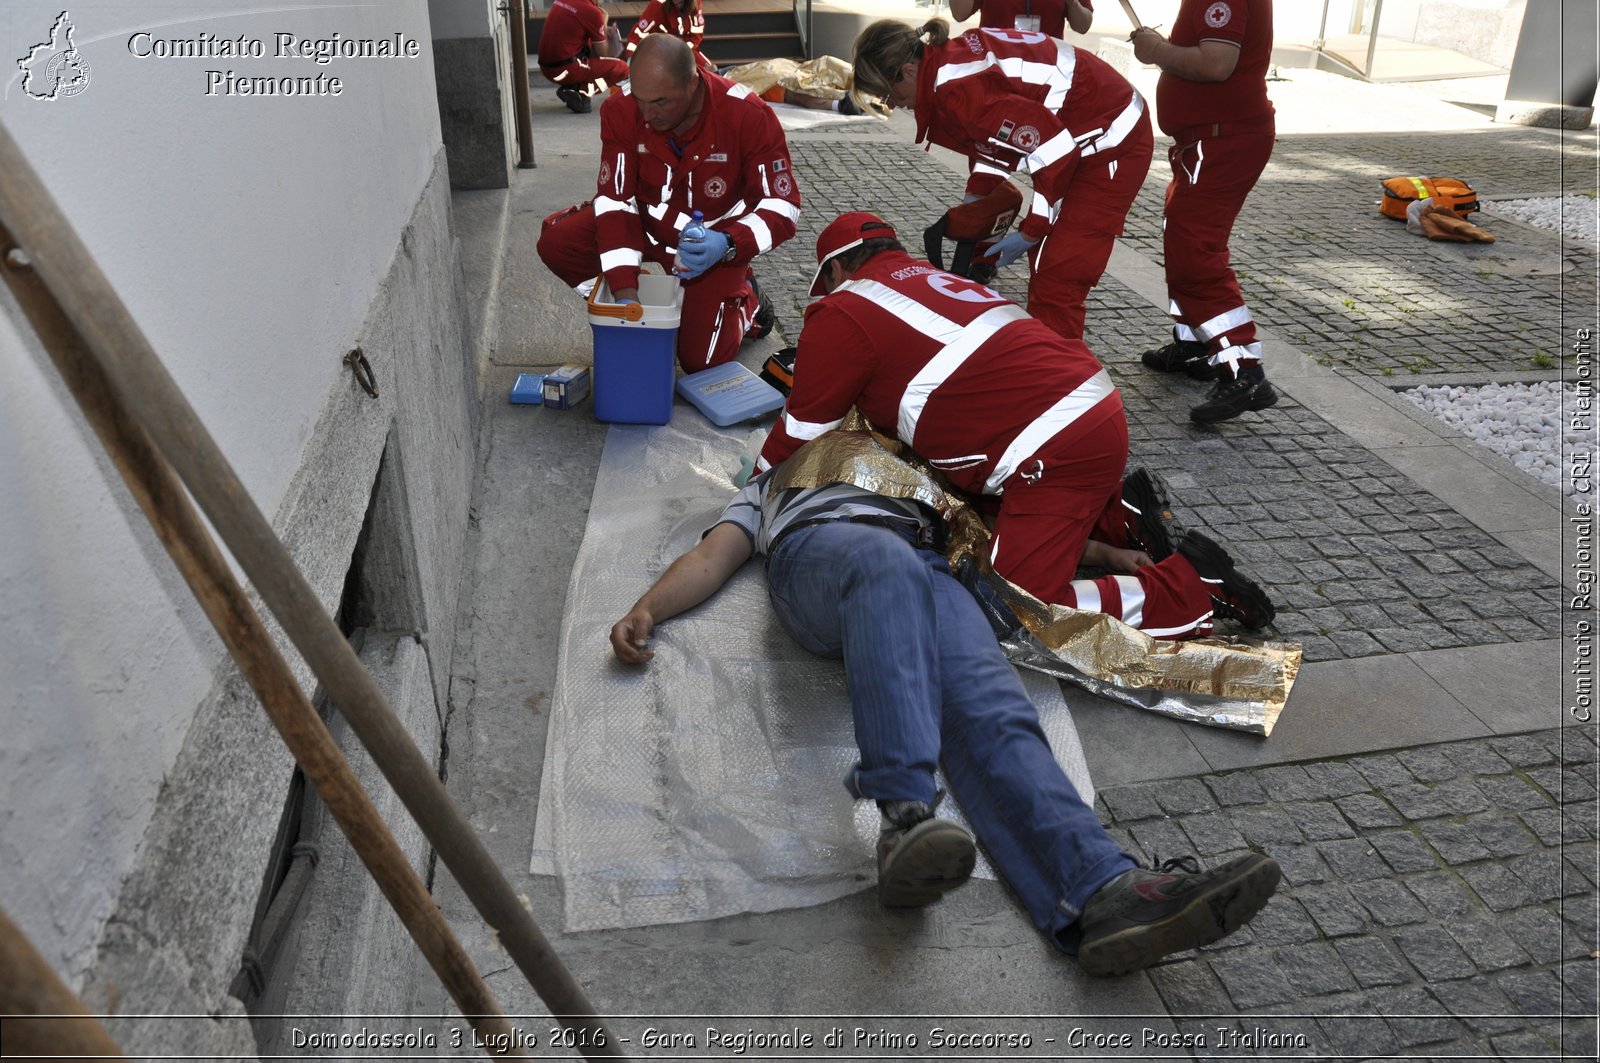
(928, 681)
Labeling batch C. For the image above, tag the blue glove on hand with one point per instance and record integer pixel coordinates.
(1009, 248)
(697, 256)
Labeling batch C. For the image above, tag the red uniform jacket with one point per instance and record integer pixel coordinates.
(570, 29)
(956, 371)
(1182, 104)
(689, 27)
(1012, 101)
(733, 167)
(1003, 14)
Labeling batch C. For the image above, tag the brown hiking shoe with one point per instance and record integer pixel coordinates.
(920, 857)
(1141, 916)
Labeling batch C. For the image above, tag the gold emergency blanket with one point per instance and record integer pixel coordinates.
(826, 77)
(1218, 681)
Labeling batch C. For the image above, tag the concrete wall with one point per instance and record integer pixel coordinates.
(477, 109)
(255, 240)
(1483, 29)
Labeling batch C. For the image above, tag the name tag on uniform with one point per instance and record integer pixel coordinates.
(1028, 23)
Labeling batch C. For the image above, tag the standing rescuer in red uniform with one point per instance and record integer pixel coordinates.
(1004, 408)
(1041, 16)
(1212, 100)
(1021, 102)
(679, 139)
(577, 49)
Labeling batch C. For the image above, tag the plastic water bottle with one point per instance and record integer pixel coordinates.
(695, 230)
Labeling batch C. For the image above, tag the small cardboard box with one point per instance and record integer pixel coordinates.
(566, 387)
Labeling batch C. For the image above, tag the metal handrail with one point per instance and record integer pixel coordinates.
(803, 27)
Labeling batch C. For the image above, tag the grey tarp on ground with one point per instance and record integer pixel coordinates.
(709, 783)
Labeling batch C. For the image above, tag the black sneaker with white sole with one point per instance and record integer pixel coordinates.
(920, 857)
(1147, 506)
(1234, 595)
(1231, 396)
(1141, 915)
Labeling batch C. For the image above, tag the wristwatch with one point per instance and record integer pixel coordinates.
(730, 254)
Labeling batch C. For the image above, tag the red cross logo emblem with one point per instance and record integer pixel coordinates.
(968, 291)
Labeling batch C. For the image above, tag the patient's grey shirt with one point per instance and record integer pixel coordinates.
(766, 515)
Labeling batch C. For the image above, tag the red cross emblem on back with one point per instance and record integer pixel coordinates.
(968, 291)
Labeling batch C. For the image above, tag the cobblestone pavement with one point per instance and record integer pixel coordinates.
(1359, 560)
(1352, 288)
(1437, 901)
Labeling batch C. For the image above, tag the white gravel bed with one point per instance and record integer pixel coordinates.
(1573, 216)
(1521, 422)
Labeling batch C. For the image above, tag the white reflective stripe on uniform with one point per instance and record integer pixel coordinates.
(759, 230)
(950, 358)
(716, 330)
(1224, 322)
(799, 429)
(1231, 356)
(1199, 160)
(781, 207)
(1120, 127)
(766, 189)
(607, 205)
(738, 208)
(617, 174)
(561, 76)
(1086, 595)
(1047, 426)
(932, 325)
(1168, 632)
(1051, 151)
(1183, 333)
(1056, 77)
(619, 257)
(1132, 600)
(994, 551)
(985, 168)
(739, 92)
(659, 211)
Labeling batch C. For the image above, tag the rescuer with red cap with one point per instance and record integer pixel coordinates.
(1008, 410)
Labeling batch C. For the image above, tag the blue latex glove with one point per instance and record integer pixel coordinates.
(697, 256)
(1009, 248)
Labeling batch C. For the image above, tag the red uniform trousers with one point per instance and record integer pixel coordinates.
(1044, 524)
(590, 75)
(718, 305)
(1072, 257)
(1211, 176)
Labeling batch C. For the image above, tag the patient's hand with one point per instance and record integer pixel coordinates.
(630, 634)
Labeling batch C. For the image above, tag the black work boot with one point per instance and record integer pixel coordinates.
(1140, 916)
(1234, 595)
(920, 857)
(576, 99)
(1179, 356)
(1249, 390)
(1152, 526)
(766, 316)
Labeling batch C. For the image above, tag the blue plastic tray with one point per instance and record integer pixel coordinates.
(730, 393)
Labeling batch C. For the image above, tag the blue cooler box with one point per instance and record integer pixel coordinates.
(635, 351)
(730, 393)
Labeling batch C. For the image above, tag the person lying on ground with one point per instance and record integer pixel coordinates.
(854, 575)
